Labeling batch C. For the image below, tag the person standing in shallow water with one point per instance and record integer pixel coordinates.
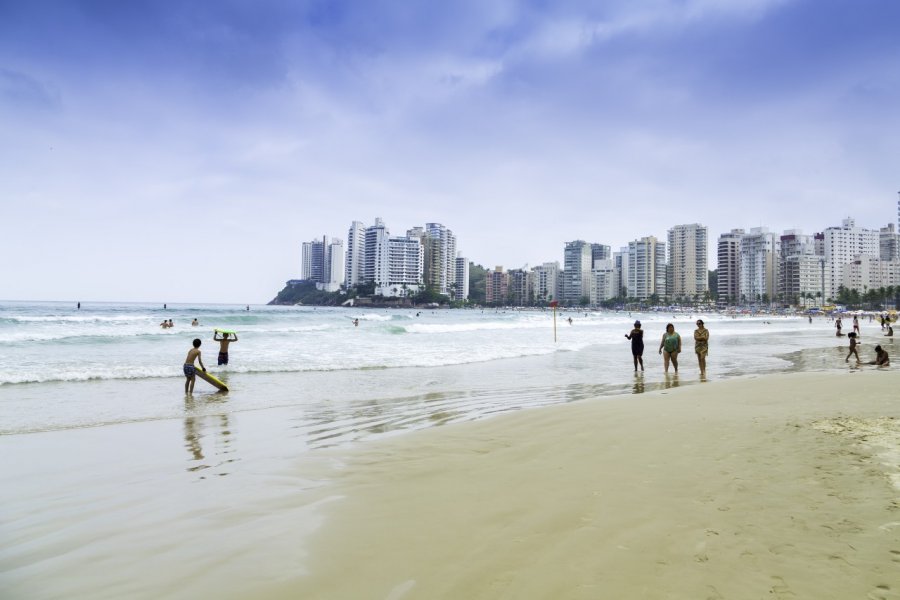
(701, 345)
(637, 345)
(669, 347)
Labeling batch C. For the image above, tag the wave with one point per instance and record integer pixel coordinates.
(107, 373)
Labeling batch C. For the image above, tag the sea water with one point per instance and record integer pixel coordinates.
(106, 363)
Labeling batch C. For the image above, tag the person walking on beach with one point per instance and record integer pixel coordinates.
(856, 324)
(881, 358)
(190, 371)
(224, 342)
(637, 345)
(701, 345)
(890, 332)
(837, 326)
(853, 350)
(669, 347)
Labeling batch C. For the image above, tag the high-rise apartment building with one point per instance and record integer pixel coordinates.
(440, 258)
(889, 243)
(355, 254)
(577, 262)
(546, 282)
(646, 268)
(461, 289)
(620, 265)
(688, 274)
(729, 267)
(519, 294)
(800, 269)
(496, 286)
(603, 281)
(323, 262)
(599, 252)
(844, 244)
(759, 270)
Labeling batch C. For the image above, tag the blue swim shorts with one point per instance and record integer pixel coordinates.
(189, 370)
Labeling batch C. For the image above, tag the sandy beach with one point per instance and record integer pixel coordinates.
(784, 486)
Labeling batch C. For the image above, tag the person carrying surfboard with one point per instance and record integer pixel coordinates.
(224, 342)
(190, 371)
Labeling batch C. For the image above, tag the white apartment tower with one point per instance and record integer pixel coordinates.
(646, 268)
(889, 243)
(603, 281)
(546, 280)
(461, 291)
(759, 277)
(688, 272)
(844, 244)
(440, 258)
(729, 267)
(356, 254)
(800, 269)
(577, 262)
(375, 253)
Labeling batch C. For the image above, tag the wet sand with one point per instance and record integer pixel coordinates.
(783, 486)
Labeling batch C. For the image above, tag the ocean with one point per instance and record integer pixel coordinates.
(107, 363)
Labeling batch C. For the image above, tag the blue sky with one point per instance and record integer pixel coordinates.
(181, 151)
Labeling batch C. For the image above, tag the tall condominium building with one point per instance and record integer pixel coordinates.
(312, 260)
(646, 268)
(729, 267)
(599, 252)
(688, 272)
(323, 262)
(496, 286)
(759, 271)
(577, 262)
(356, 254)
(406, 259)
(800, 269)
(620, 264)
(375, 253)
(440, 258)
(603, 281)
(889, 243)
(546, 281)
(842, 245)
(519, 294)
(461, 290)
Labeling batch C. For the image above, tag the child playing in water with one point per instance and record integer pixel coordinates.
(224, 342)
(190, 371)
(853, 350)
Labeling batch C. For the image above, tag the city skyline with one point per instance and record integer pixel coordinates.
(182, 152)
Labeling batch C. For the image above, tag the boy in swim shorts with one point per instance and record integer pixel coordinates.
(190, 371)
(224, 342)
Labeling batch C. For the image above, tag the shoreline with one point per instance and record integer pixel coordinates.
(757, 487)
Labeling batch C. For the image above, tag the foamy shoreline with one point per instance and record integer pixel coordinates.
(774, 486)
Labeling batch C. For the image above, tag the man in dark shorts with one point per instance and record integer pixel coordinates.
(224, 342)
(190, 371)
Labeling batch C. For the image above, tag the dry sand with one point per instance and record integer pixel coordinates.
(773, 487)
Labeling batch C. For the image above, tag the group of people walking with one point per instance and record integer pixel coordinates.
(670, 346)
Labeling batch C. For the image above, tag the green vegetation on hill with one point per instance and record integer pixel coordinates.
(305, 292)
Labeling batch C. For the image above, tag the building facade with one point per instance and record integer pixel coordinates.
(729, 267)
(577, 263)
(759, 275)
(688, 272)
(646, 269)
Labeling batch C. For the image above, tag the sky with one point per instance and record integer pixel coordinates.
(181, 151)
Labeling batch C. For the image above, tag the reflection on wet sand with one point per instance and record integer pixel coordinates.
(671, 381)
(639, 387)
(194, 425)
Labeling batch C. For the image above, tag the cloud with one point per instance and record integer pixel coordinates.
(25, 92)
